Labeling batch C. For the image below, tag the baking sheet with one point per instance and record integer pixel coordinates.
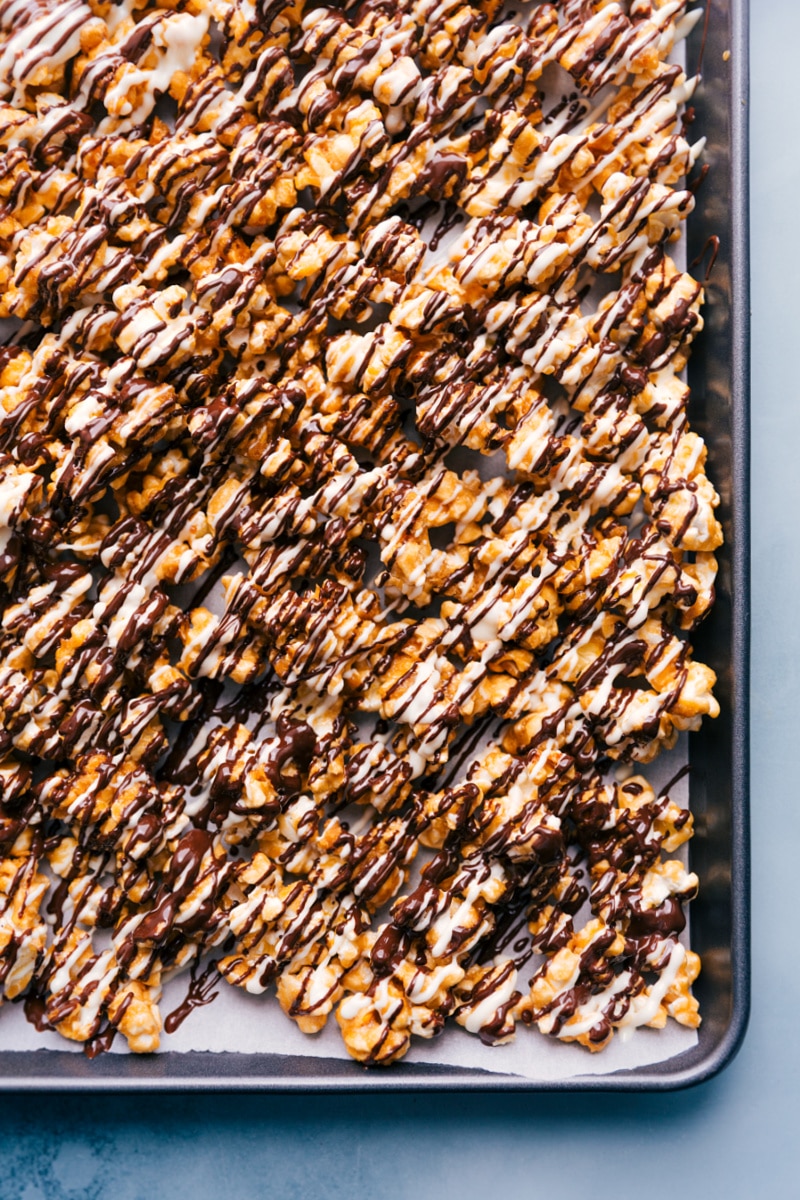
(236, 1023)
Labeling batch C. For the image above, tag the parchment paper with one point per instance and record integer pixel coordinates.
(237, 1022)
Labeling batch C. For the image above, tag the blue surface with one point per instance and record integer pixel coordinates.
(736, 1136)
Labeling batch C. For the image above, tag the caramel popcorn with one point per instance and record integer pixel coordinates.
(346, 546)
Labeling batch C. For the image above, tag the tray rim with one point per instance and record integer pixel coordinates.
(99, 1076)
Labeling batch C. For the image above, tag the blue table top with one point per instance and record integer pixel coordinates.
(736, 1136)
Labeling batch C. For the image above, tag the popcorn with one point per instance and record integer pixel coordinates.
(252, 583)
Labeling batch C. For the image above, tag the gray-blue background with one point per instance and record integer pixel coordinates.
(736, 1136)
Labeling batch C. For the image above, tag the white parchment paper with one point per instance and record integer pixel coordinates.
(237, 1022)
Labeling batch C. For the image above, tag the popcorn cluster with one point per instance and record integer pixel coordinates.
(238, 372)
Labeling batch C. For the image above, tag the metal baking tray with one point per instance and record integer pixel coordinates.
(719, 375)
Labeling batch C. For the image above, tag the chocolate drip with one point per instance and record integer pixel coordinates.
(201, 991)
